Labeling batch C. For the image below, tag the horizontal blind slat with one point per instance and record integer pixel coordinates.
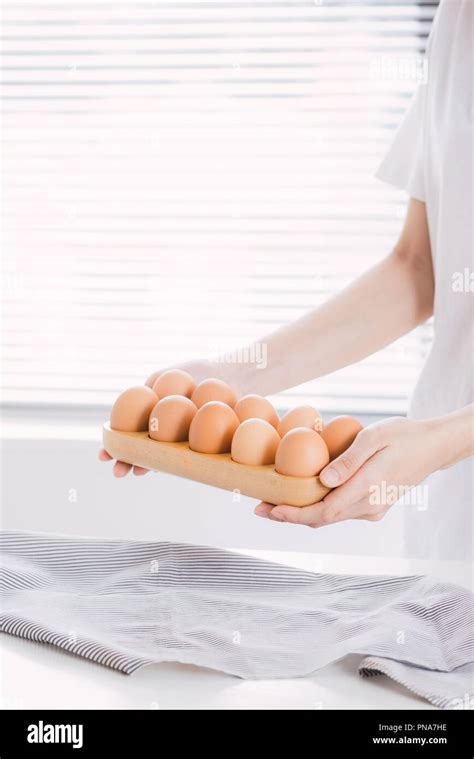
(168, 162)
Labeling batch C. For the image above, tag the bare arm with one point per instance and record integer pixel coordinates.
(386, 302)
(381, 305)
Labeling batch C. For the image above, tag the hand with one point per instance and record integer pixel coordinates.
(120, 468)
(382, 464)
(199, 370)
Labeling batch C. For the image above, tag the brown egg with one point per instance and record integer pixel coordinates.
(213, 390)
(340, 433)
(212, 428)
(174, 382)
(301, 416)
(301, 453)
(170, 419)
(132, 408)
(255, 443)
(256, 407)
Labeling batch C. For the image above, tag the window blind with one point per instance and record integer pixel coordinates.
(181, 177)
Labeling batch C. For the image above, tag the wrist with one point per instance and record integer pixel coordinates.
(237, 373)
(437, 437)
(451, 437)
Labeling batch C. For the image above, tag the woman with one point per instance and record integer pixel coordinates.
(430, 271)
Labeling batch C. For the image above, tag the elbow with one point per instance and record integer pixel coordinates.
(417, 267)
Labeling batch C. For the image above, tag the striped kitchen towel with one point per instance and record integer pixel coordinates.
(128, 603)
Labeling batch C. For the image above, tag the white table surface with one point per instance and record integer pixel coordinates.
(35, 676)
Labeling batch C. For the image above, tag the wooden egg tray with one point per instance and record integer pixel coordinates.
(218, 470)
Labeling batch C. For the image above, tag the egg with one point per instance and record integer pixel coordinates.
(212, 428)
(174, 382)
(213, 389)
(340, 433)
(256, 407)
(301, 416)
(132, 408)
(301, 453)
(255, 443)
(170, 419)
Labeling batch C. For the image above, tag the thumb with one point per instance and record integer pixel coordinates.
(347, 464)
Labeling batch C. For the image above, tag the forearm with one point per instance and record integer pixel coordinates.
(386, 302)
(452, 436)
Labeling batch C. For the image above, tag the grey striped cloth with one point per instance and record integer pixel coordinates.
(126, 603)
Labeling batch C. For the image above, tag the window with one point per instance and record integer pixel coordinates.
(181, 177)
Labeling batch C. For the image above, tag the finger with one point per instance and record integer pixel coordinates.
(357, 488)
(374, 516)
(325, 512)
(363, 510)
(104, 456)
(344, 466)
(150, 381)
(315, 515)
(265, 510)
(121, 469)
(360, 510)
(139, 471)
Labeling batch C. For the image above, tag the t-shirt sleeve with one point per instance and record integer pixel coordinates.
(403, 165)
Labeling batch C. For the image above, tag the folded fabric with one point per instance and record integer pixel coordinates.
(127, 603)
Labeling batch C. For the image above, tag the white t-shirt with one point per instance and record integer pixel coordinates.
(431, 158)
